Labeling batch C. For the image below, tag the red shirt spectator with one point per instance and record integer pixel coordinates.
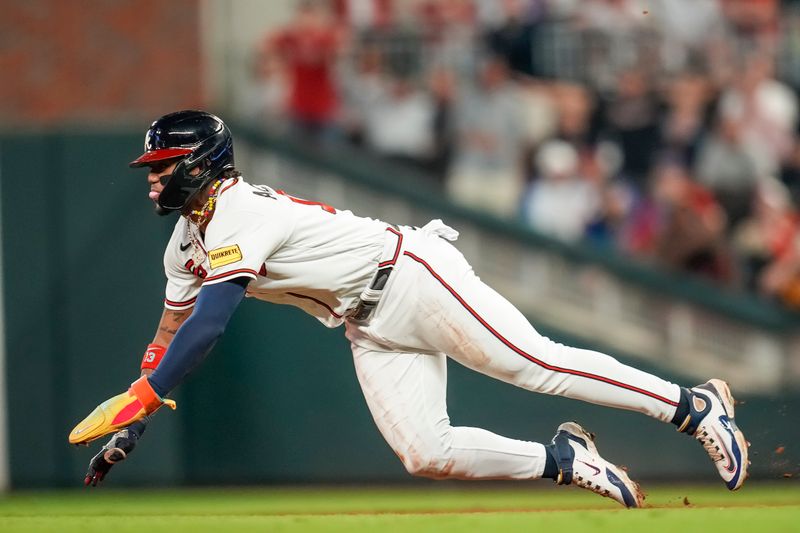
(308, 47)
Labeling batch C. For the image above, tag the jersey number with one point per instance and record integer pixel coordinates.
(198, 270)
(295, 199)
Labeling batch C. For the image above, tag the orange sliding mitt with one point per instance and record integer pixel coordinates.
(118, 412)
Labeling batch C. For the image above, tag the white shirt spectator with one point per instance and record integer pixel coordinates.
(399, 122)
(767, 112)
(560, 203)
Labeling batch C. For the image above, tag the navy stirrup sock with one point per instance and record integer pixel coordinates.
(683, 407)
(550, 466)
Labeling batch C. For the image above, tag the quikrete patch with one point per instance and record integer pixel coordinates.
(224, 256)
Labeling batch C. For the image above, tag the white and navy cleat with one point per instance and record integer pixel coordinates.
(579, 463)
(710, 421)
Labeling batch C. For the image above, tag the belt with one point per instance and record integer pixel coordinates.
(369, 299)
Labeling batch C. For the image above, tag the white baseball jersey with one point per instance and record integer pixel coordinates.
(297, 252)
(321, 260)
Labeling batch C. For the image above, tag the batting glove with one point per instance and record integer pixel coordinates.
(119, 412)
(121, 444)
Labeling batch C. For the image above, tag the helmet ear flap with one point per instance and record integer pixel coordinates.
(182, 186)
(177, 189)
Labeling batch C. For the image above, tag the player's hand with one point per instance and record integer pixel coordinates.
(119, 412)
(121, 444)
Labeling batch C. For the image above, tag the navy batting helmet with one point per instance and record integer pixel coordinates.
(200, 139)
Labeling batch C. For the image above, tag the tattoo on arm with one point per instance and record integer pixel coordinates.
(170, 322)
(178, 316)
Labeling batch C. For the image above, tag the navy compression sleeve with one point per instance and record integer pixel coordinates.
(195, 338)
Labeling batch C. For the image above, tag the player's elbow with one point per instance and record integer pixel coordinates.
(205, 329)
(217, 329)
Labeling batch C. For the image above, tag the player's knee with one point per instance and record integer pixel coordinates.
(435, 462)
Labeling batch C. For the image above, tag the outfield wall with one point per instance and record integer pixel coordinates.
(5, 477)
(278, 400)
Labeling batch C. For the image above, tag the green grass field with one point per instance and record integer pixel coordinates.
(442, 508)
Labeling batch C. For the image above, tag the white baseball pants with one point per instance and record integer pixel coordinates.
(435, 306)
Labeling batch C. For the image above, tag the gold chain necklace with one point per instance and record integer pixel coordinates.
(197, 218)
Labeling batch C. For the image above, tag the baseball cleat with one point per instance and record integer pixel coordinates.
(710, 421)
(579, 463)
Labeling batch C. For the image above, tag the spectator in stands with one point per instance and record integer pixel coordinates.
(684, 29)
(265, 97)
(515, 38)
(399, 123)
(613, 221)
(308, 48)
(725, 166)
(599, 160)
(614, 37)
(402, 43)
(538, 115)
(560, 202)
(574, 106)
(486, 169)
(765, 108)
(690, 236)
(631, 117)
(449, 29)
(362, 81)
(766, 242)
(684, 123)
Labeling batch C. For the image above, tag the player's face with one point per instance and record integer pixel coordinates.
(160, 171)
(159, 174)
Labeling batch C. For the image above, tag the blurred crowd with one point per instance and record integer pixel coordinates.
(665, 129)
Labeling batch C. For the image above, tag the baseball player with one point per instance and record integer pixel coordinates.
(407, 299)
